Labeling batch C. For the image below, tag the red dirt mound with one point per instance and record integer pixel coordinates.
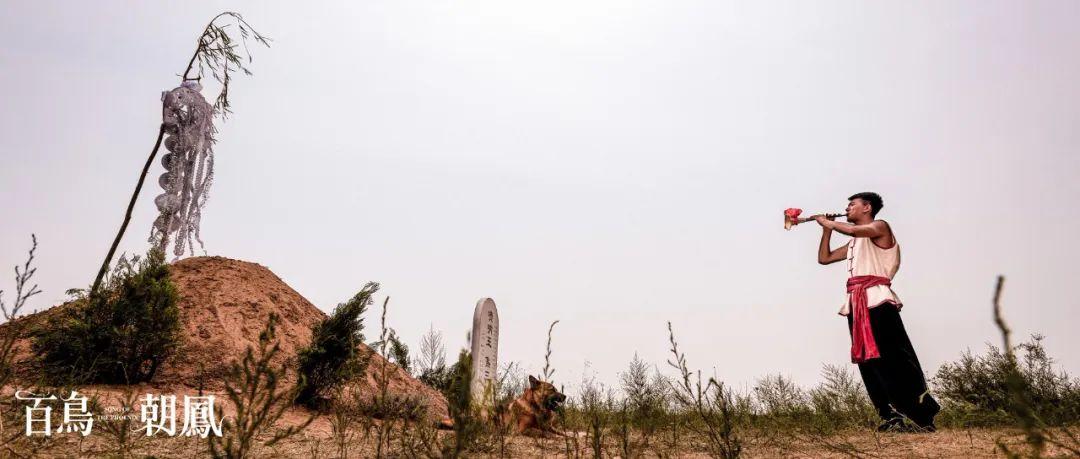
(224, 305)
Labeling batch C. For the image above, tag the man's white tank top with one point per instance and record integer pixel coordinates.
(867, 259)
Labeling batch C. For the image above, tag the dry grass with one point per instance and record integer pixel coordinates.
(318, 442)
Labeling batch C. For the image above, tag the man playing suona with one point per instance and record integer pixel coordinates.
(879, 344)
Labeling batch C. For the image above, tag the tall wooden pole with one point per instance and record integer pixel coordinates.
(127, 215)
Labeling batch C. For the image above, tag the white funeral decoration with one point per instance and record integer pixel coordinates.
(485, 352)
(189, 167)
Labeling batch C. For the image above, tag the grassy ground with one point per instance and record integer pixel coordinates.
(319, 442)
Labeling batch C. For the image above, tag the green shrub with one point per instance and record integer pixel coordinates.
(596, 411)
(468, 427)
(975, 392)
(399, 352)
(431, 367)
(841, 400)
(120, 335)
(780, 398)
(439, 378)
(646, 400)
(334, 354)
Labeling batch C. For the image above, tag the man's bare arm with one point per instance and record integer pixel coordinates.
(874, 229)
(826, 256)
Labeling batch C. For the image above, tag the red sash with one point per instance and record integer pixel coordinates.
(863, 346)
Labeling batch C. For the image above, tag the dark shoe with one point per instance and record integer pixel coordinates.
(900, 425)
(925, 424)
(918, 428)
(892, 425)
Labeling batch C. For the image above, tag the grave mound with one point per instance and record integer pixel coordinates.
(224, 305)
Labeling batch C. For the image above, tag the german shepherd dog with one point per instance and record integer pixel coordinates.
(530, 414)
(534, 411)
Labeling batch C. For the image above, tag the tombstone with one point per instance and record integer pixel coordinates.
(485, 352)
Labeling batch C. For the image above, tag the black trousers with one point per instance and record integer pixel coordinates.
(895, 381)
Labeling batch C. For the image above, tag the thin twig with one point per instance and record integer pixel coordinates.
(1020, 403)
(548, 371)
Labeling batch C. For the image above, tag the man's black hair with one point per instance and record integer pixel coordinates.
(871, 198)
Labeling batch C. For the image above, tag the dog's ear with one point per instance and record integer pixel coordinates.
(533, 382)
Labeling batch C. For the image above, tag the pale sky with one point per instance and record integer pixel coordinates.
(613, 165)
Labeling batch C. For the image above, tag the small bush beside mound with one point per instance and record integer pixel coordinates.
(334, 354)
(120, 335)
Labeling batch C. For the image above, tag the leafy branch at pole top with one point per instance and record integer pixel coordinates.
(188, 120)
